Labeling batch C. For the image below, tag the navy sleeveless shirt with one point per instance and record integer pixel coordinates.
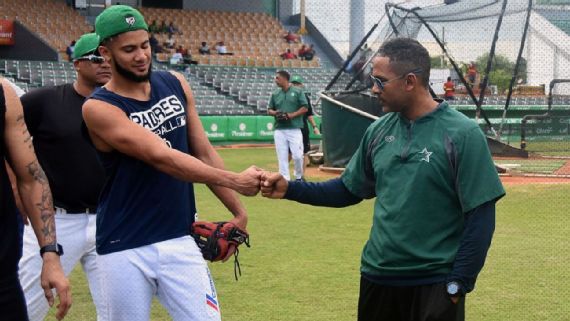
(140, 205)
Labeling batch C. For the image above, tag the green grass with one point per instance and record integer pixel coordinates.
(304, 261)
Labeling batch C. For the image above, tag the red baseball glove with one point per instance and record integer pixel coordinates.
(214, 240)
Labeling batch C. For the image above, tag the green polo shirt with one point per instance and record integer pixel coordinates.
(425, 175)
(288, 101)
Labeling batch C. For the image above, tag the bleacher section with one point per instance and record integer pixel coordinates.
(253, 86)
(56, 23)
(244, 91)
(30, 74)
(256, 39)
(218, 90)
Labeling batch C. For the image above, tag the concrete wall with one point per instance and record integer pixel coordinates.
(287, 8)
(548, 54)
(27, 47)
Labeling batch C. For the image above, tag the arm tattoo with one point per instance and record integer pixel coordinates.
(45, 205)
(27, 137)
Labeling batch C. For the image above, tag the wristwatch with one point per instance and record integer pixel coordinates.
(453, 288)
(56, 248)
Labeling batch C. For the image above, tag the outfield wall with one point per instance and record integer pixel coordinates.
(259, 129)
(243, 129)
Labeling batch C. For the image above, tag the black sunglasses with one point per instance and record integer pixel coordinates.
(93, 58)
(381, 83)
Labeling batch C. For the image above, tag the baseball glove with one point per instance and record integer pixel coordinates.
(281, 116)
(214, 240)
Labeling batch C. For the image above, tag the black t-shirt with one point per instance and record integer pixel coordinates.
(309, 111)
(53, 116)
(9, 237)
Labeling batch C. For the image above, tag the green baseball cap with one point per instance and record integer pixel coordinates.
(118, 19)
(86, 44)
(297, 79)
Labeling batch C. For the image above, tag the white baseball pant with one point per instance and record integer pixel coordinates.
(76, 233)
(173, 270)
(289, 140)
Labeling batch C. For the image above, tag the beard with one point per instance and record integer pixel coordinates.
(130, 75)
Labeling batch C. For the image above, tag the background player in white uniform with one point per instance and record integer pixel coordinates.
(291, 102)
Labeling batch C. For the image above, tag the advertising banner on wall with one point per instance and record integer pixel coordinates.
(6, 32)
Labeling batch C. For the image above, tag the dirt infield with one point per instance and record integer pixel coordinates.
(564, 170)
(520, 180)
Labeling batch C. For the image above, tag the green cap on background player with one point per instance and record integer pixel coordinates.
(118, 19)
(86, 44)
(297, 79)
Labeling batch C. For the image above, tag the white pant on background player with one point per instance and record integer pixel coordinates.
(289, 140)
(173, 270)
(76, 233)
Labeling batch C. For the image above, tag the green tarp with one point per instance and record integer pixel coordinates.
(342, 129)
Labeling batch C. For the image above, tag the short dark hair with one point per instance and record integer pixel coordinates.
(406, 55)
(284, 74)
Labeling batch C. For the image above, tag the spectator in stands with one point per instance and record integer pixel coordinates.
(73, 170)
(176, 59)
(472, 73)
(287, 105)
(449, 90)
(69, 50)
(222, 49)
(186, 55)
(288, 55)
(204, 49)
(297, 81)
(301, 52)
(154, 28)
(154, 44)
(170, 43)
(163, 27)
(181, 50)
(36, 196)
(309, 53)
(290, 37)
(172, 29)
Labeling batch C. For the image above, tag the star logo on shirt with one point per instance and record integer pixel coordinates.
(425, 155)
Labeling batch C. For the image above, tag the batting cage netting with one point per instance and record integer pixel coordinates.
(500, 56)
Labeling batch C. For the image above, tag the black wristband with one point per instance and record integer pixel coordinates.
(56, 248)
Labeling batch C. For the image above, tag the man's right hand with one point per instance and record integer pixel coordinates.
(248, 181)
(273, 185)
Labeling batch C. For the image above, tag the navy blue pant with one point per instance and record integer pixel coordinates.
(407, 303)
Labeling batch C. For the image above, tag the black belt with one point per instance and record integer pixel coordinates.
(80, 210)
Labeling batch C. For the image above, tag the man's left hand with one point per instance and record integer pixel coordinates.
(53, 277)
